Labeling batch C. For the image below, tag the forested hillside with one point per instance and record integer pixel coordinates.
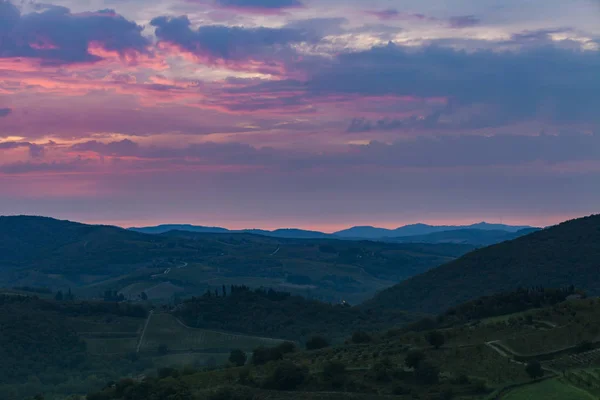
(566, 254)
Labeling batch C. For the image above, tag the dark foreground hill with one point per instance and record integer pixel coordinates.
(566, 254)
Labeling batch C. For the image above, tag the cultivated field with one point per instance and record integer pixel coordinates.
(551, 389)
(165, 329)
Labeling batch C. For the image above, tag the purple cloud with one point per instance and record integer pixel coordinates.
(232, 43)
(5, 112)
(56, 36)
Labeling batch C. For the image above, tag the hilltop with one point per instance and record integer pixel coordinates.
(565, 254)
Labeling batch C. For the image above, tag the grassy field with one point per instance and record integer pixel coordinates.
(109, 326)
(551, 389)
(166, 329)
(111, 345)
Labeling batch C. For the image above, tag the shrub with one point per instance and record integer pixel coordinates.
(414, 358)
(361, 337)
(334, 373)
(316, 343)
(238, 357)
(287, 347)
(287, 376)
(263, 355)
(436, 339)
(426, 374)
(534, 369)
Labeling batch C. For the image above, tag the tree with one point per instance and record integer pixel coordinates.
(534, 369)
(59, 296)
(144, 296)
(436, 339)
(224, 291)
(414, 358)
(316, 343)
(238, 357)
(69, 296)
(426, 373)
(360, 337)
(287, 347)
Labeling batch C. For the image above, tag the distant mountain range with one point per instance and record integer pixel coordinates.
(481, 233)
(279, 233)
(370, 232)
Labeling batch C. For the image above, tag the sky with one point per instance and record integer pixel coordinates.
(317, 114)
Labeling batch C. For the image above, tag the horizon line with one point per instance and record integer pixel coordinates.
(271, 227)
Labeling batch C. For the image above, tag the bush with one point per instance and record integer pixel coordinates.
(316, 343)
(262, 355)
(245, 377)
(334, 373)
(287, 347)
(287, 376)
(238, 357)
(534, 369)
(361, 337)
(383, 371)
(167, 372)
(436, 339)
(427, 374)
(414, 358)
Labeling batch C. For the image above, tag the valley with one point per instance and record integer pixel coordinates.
(168, 322)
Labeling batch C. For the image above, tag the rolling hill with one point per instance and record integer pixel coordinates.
(44, 252)
(565, 254)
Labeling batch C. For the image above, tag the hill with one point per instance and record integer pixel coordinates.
(566, 254)
(373, 233)
(156, 230)
(476, 237)
(279, 233)
(91, 259)
(526, 344)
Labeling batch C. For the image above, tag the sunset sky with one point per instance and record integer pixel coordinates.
(316, 114)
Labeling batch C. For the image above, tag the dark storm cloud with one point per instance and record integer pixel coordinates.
(554, 83)
(57, 36)
(259, 4)
(228, 42)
